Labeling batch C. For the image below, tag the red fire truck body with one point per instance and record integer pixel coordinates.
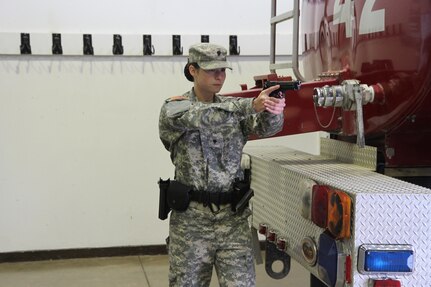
(357, 214)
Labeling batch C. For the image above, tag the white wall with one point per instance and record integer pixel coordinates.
(79, 149)
(134, 16)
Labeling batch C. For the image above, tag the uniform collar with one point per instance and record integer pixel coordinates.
(193, 98)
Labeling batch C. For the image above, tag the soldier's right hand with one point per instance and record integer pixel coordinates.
(264, 102)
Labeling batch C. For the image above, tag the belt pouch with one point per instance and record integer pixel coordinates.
(178, 195)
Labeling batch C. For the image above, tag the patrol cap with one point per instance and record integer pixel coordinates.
(209, 56)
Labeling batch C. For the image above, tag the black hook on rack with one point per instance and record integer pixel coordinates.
(148, 47)
(117, 48)
(25, 47)
(233, 45)
(176, 45)
(88, 45)
(205, 38)
(57, 49)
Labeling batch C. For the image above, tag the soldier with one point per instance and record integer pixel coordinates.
(205, 134)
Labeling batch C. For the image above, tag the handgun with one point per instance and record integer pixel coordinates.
(284, 86)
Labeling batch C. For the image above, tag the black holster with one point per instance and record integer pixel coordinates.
(241, 195)
(164, 208)
(173, 195)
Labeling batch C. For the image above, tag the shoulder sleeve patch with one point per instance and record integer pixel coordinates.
(176, 98)
(177, 107)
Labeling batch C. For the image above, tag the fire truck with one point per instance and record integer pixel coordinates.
(359, 213)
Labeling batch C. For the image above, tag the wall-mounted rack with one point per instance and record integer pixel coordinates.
(69, 44)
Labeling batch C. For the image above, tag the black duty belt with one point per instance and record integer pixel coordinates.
(206, 197)
(177, 196)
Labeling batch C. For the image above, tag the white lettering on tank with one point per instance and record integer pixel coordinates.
(370, 21)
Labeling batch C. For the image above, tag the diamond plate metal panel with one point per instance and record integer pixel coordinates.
(349, 153)
(385, 210)
(399, 219)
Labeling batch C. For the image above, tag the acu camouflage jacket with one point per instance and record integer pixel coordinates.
(206, 140)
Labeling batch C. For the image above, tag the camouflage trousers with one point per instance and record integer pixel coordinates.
(200, 240)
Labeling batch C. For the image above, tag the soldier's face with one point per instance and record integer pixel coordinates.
(210, 80)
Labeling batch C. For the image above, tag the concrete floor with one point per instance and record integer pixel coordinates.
(130, 271)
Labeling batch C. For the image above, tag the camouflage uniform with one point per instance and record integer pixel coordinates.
(205, 141)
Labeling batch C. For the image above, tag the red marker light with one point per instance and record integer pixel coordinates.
(271, 236)
(281, 244)
(387, 283)
(263, 228)
(319, 205)
(348, 269)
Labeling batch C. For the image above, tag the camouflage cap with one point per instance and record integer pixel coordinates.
(208, 56)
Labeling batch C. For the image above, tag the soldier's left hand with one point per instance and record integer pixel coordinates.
(274, 105)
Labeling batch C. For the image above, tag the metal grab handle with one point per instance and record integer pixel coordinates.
(294, 14)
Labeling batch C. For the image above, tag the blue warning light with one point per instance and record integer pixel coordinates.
(386, 259)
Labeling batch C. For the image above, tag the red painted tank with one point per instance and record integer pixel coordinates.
(384, 44)
(381, 42)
